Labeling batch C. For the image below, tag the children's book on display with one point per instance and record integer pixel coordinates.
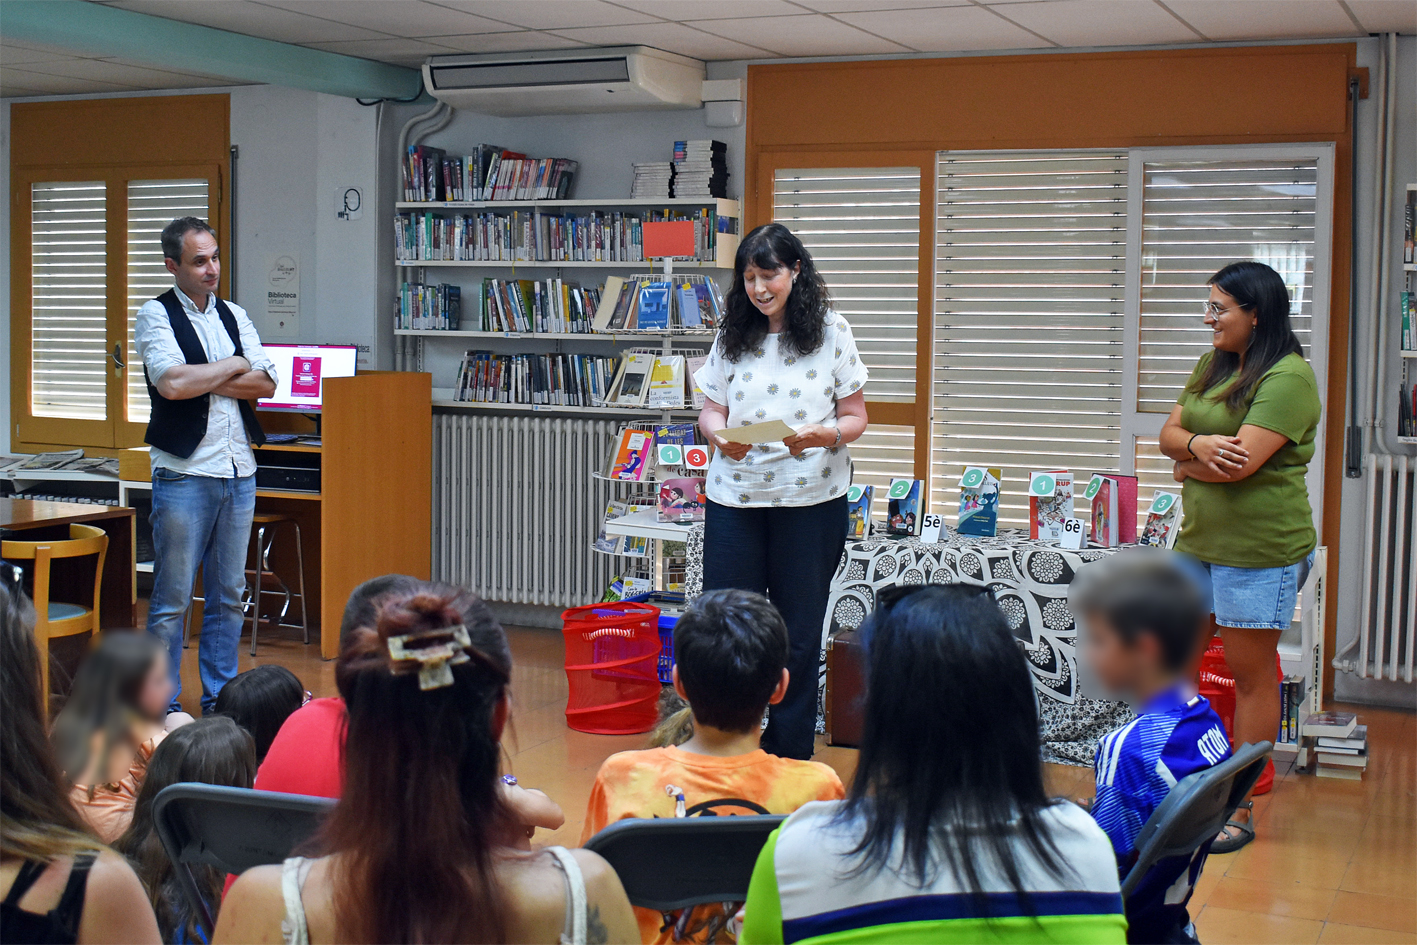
(979, 501)
(903, 507)
(1163, 520)
(1050, 503)
(858, 512)
(682, 500)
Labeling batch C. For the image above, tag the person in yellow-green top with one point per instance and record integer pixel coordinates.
(1242, 435)
(947, 833)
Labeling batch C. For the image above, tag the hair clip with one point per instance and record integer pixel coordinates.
(435, 661)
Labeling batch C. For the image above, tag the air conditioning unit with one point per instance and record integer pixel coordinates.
(559, 82)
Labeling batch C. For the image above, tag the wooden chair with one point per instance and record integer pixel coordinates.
(56, 618)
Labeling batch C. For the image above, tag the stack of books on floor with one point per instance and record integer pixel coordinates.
(1292, 715)
(699, 169)
(655, 179)
(1337, 745)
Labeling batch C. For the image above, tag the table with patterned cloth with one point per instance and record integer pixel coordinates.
(1030, 581)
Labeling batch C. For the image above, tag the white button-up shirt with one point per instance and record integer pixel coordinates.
(225, 451)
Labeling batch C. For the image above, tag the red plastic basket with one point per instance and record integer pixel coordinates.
(1217, 684)
(612, 659)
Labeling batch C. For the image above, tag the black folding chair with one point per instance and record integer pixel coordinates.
(1195, 809)
(675, 863)
(231, 829)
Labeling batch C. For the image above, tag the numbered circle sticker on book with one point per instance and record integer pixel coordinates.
(900, 488)
(1041, 484)
(696, 457)
(1161, 503)
(670, 454)
(973, 478)
(853, 493)
(1093, 485)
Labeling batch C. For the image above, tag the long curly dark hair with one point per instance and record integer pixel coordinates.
(773, 246)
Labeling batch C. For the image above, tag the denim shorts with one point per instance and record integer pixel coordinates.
(1250, 598)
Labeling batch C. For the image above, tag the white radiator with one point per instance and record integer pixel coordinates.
(1387, 631)
(516, 510)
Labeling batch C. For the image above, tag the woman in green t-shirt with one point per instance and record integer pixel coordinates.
(1242, 434)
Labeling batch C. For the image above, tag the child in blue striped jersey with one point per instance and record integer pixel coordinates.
(1143, 618)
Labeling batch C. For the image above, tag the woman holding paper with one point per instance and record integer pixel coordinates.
(1242, 434)
(776, 518)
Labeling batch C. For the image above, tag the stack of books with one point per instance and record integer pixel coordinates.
(1337, 745)
(699, 169)
(655, 179)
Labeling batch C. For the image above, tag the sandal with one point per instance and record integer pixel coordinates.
(1229, 843)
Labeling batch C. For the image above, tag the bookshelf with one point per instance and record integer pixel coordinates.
(437, 350)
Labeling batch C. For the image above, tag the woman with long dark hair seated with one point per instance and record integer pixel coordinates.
(947, 834)
(213, 750)
(422, 845)
(1242, 435)
(57, 882)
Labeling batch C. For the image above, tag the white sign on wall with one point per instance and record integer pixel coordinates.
(283, 295)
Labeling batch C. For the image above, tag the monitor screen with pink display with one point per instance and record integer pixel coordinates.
(301, 371)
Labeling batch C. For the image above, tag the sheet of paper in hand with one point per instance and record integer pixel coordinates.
(769, 431)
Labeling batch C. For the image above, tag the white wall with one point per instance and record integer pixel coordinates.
(298, 151)
(1346, 597)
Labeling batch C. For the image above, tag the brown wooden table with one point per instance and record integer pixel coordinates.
(40, 520)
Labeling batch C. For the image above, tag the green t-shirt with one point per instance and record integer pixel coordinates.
(1263, 520)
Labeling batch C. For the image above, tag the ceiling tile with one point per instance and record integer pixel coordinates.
(395, 17)
(946, 29)
(870, 6)
(250, 19)
(40, 84)
(1386, 16)
(383, 49)
(1099, 22)
(551, 14)
(671, 37)
(520, 41)
(1272, 19)
(118, 73)
(806, 35)
(680, 10)
(12, 55)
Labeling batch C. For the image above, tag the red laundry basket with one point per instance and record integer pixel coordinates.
(612, 661)
(1217, 684)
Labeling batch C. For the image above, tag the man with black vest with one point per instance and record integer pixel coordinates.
(204, 364)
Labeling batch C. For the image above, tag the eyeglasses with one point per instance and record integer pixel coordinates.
(307, 698)
(1213, 309)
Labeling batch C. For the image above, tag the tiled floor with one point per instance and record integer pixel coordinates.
(1335, 862)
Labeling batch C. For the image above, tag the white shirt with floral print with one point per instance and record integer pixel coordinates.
(765, 385)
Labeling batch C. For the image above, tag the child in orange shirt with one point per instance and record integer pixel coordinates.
(730, 651)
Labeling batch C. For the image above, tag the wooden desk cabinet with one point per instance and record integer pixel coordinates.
(373, 512)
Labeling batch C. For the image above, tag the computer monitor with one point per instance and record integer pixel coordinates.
(301, 371)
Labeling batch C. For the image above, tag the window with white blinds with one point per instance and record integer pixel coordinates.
(152, 204)
(69, 348)
(862, 227)
(1030, 263)
(1198, 216)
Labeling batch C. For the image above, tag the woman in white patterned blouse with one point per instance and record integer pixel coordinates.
(776, 521)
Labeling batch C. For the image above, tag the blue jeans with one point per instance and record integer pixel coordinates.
(790, 554)
(207, 521)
